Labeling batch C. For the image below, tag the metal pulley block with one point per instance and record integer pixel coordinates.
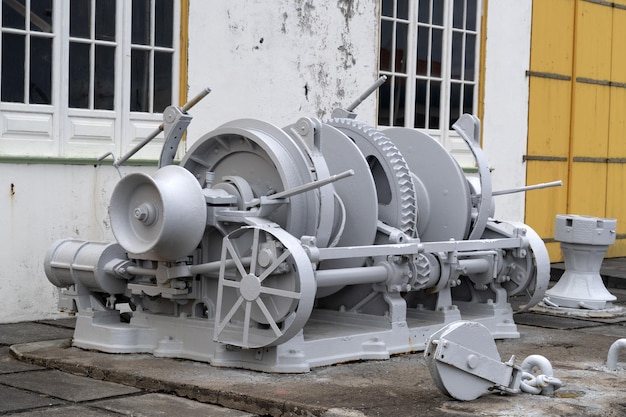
(464, 362)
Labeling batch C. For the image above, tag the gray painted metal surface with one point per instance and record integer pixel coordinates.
(584, 241)
(281, 249)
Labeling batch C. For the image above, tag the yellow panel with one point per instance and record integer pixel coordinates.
(554, 251)
(552, 38)
(542, 206)
(549, 117)
(615, 195)
(590, 124)
(593, 41)
(618, 54)
(617, 123)
(618, 249)
(587, 193)
(184, 49)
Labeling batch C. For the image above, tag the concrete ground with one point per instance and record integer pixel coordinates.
(51, 378)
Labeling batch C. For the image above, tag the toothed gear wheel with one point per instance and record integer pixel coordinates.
(397, 204)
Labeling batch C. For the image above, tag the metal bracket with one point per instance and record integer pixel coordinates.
(175, 124)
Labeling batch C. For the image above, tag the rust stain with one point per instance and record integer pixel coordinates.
(12, 192)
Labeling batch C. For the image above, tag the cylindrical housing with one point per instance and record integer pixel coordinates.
(72, 261)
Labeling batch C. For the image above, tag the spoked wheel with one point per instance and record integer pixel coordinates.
(266, 288)
(528, 272)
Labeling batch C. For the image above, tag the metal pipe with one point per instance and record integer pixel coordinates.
(158, 130)
(367, 92)
(213, 267)
(474, 265)
(311, 185)
(351, 276)
(529, 187)
(137, 270)
(611, 360)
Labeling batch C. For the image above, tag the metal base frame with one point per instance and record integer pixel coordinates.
(329, 337)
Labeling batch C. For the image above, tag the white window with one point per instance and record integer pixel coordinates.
(83, 77)
(429, 50)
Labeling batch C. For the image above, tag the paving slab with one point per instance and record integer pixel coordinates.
(69, 322)
(14, 333)
(400, 386)
(618, 331)
(553, 322)
(65, 386)
(8, 364)
(65, 411)
(12, 399)
(156, 405)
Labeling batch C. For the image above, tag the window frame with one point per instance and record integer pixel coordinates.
(58, 131)
(443, 132)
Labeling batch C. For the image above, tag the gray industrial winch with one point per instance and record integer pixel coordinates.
(281, 249)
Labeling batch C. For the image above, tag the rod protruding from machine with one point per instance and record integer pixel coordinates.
(311, 185)
(367, 92)
(117, 162)
(529, 187)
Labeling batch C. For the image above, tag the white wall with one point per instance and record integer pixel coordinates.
(281, 60)
(505, 119)
(38, 205)
(276, 62)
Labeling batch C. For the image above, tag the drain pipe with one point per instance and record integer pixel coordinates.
(611, 360)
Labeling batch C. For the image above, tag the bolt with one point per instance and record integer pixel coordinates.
(145, 213)
(472, 361)
(141, 213)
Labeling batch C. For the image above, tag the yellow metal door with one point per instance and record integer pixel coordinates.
(577, 115)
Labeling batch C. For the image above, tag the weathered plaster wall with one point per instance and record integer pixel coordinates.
(273, 61)
(505, 120)
(38, 205)
(281, 60)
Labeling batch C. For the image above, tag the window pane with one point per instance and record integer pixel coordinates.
(40, 15)
(457, 14)
(141, 22)
(79, 75)
(387, 8)
(401, 38)
(470, 24)
(468, 99)
(403, 9)
(104, 82)
(139, 80)
(455, 102)
(40, 86)
(399, 101)
(163, 23)
(457, 55)
(438, 12)
(105, 20)
(435, 100)
(422, 50)
(80, 18)
(386, 39)
(423, 11)
(13, 47)
(421, 90)
(384, 100)
(13, 13)
(470, 56)
(162, 80)
(436, 53)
